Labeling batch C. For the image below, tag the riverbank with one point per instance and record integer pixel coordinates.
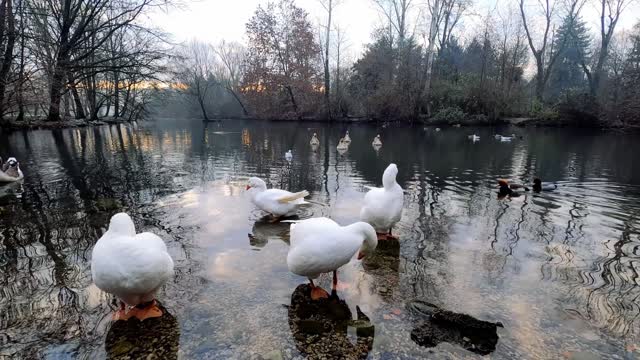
(43, 123)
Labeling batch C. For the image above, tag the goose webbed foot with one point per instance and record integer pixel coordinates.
(146, 311)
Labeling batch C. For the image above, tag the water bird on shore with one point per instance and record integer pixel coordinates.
(132, 267)
(314, 140)
(474, 137)
(11, 171)
(456, 125)
(347, 138)
(506, 138)
(377, 141)
(320, 245)
(437, 129)
(288, 156)
(276, 202)
(382, 207)
(497, 136)
(539, 186)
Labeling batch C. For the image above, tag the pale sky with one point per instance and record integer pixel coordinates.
(214, 20)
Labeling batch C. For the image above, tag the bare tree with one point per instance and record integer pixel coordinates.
(8, 31)
(609, 11)
(329, 6)
(543, 55)
(232, 57)
(195, 72)
(397, 13)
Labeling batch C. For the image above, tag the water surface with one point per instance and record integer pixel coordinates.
(559, 270)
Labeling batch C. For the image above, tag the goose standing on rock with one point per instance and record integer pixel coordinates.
(347, 138)
(377, 141)
(276, 202)
(382, 207)
(132, 267)
(314, 140)
(11, 171)
(320, 245)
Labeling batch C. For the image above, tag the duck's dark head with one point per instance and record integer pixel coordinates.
(537, 181)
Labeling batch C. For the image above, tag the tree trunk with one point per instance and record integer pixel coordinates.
(116, 94)
(433, 30)
(235, 95)
(76, 97)
(55, 90)
(203, 109)
(327, 76)
(8, 54)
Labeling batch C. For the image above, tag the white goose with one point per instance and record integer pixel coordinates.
(382, 207)
(347, 138)
(377, 141)
(342, 146)
(10, 171)
(314, 140)
(474, 137)
(288, 156)
(320, 245)
(276, 202)
(132, 267)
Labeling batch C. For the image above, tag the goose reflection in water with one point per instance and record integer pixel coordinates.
(319, 327)
(264, 231)
(156, 338)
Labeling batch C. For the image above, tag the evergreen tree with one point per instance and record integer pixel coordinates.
(572, 40)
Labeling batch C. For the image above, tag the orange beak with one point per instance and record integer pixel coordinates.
(360, 255)
(248, 187)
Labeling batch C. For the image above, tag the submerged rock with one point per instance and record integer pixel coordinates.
(319, 327)
(478, 336)
(156, 338)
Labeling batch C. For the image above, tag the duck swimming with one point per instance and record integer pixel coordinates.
(314, 140)
(347, 138)
(276, 202)
(11, 171)
(382, 207)
(505, 189)
(377, 141)
(539, 186)
(320, 245)
(132, 267)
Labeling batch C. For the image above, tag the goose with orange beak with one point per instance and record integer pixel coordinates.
(320, 245)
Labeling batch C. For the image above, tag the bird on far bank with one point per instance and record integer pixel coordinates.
(276, 202)
(377, 141)
(320, 245)
(314, 140)
(382, 207)
(131, 266)
(437, 129)
(506, 138)
(10, 171)
(288, 156)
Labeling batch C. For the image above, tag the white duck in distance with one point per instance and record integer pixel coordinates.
(11, 171)
(320, 245)
(342, 146)
(474, 137)
(347, 138)
(132, 267)
(377, 141)
(382, 207)
(276, 202)
(288, 156)
(314, 140)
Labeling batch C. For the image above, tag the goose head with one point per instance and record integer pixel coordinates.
(256, 185)
(389, 176)
(121, 224)
(12, 167)
(370, 238)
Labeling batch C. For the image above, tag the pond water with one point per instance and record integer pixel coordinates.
(559, 270)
